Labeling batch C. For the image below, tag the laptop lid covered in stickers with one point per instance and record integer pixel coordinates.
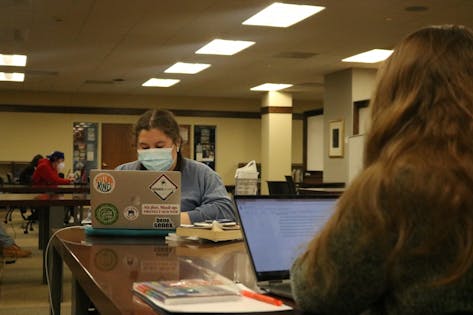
(144, 200)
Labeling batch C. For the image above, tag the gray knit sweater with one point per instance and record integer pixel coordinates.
(362, 287)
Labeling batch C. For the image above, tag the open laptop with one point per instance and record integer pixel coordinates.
(276, 230)
(135, 200)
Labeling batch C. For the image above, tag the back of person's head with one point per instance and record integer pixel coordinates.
(35, 160)
(415, 190)
(160, 119)
(56, 155)
(419, 150)
(424, 93)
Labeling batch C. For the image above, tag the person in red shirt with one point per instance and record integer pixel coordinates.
(48, 169)
(47, 173)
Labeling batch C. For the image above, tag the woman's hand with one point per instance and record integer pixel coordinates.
(185, 219)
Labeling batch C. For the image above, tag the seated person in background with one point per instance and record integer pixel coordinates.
(49, 172)
(401, 239)
(203, 195)
(25, 179)
(27, 172)
(48, 169)
(9, 248)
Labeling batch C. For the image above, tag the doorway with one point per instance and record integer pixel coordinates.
(118, 145)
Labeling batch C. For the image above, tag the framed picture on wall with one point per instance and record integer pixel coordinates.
(335, 148)
(204, 145)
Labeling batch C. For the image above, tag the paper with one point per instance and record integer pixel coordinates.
(90, 156)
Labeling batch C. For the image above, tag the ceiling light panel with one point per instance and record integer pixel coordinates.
(282, 14)
(271, 87)
(13, 60)
(371, 56)
(154, 82)
(188, 68)
(224, 47)
(12, 76)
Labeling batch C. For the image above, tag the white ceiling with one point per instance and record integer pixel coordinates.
(113, 46)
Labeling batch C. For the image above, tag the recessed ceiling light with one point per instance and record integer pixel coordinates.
(160, 82)
(371, 56)
(270, 87)
(282, 14)
(13, 60)
(189, 68)
(12, 76)
(224, 47)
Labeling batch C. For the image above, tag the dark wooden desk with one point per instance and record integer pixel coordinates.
(104, 268)
(43, 200)
(336, 192)
(57, 189)
(47, 204)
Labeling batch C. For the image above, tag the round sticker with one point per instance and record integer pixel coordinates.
(130, 213)
(106, 213)
(103, 183)
(106, 259)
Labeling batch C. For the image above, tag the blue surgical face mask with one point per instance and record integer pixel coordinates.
(157, 159)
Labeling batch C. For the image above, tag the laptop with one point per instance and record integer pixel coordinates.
(276, 230)
(135, 200)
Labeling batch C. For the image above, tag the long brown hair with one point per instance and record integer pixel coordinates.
(418, 162)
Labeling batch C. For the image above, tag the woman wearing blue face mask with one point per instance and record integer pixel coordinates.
(203, 195)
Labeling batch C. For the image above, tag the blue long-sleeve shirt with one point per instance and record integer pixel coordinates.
(203, 195)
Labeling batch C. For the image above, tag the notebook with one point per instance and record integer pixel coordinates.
(277, 229)
(135, 201)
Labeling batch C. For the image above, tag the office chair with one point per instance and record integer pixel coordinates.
(291, 185)
(28, 226)
(30, 220)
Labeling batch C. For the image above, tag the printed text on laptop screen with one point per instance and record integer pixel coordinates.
(278, 230)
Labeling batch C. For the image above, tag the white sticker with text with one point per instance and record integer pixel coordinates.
(160, 209)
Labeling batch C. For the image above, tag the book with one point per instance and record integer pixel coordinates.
(226, 234)
(185, 291)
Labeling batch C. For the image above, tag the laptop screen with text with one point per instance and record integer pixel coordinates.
(277, 229)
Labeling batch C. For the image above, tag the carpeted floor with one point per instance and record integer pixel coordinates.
(21, 291)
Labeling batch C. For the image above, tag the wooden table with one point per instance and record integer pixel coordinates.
(104, 268)
(36, 189)
(47, 204)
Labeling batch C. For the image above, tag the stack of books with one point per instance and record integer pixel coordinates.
(215, 231)
(184, 291)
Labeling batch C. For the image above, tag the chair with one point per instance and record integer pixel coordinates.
(291, 185)
(9, 210)
(278, 188)
(28, 226)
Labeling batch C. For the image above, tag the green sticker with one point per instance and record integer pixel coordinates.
(106, 213)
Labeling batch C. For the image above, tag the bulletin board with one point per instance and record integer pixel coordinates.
(204, 144)
(84, 149)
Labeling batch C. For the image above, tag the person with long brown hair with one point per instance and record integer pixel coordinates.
(401, 238)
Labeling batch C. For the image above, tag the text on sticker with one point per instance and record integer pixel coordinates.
(157, 209)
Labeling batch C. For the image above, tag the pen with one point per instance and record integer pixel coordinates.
(261, 297)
